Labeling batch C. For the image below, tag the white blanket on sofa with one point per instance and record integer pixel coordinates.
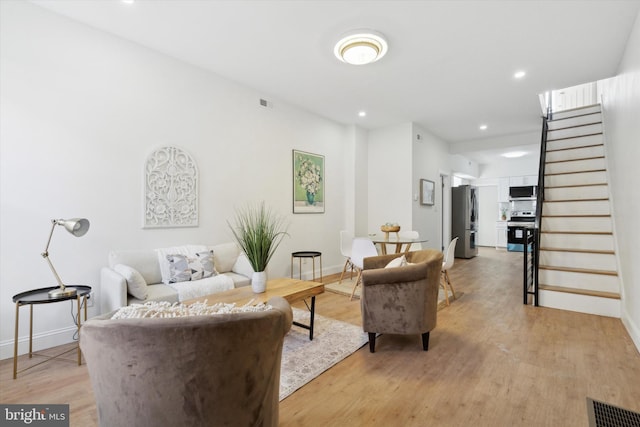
(198, 288)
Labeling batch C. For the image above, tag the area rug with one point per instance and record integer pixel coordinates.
(346, 287)
(303, 360)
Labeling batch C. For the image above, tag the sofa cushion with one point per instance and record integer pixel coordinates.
(144, 261)
(165, 270)
(238, 279)
(157, 292)
(225, 256)
(202, 287)
(136, 285)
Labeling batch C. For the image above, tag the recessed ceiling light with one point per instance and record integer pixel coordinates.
(483, 127)
(362, 113)
(514, 154)
(519, 74)
(360, 48)
(127, 1)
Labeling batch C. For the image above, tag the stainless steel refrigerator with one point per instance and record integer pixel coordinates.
(464, 220)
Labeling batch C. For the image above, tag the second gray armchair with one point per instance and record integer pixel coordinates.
(401, 300)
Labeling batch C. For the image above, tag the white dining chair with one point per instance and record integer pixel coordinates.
(346, 240)
(362, 248)
(447, 263)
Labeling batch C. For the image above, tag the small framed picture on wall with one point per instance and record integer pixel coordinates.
(427, 192)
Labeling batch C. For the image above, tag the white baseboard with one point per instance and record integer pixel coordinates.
(41, 341)
(632, 329)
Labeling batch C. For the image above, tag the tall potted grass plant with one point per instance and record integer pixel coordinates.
(259, 231)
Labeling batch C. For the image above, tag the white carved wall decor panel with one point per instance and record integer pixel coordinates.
(170, 189)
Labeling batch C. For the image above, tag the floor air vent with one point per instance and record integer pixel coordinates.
(604, 415)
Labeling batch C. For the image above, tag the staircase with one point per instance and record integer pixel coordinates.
(577, 265)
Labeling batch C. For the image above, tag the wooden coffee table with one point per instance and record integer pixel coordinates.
(290, 289)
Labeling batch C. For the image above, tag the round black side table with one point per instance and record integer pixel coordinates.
(41, 296)
(306, 254)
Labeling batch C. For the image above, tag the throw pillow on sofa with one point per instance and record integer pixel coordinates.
(189, 250)
(183, 268)
(136, 285)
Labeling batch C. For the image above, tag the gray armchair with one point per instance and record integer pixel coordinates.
(401, 300)
(221, 370)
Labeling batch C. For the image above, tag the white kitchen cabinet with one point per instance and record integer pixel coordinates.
(501, 234)
(520, 181)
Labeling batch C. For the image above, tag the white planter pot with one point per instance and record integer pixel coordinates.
(259, 282)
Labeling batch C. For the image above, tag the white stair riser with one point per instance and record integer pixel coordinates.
(574, 142)
(575, 121)
(600, 207)
(597, 242)
(576, 179)
(605, 262)
(577, 193)
(575, 153)
(584, 225)
(577, 131)
(576, 112)
(587, 282)
(576, 166)
(580, 303)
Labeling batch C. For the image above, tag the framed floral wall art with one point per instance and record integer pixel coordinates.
(308, 182)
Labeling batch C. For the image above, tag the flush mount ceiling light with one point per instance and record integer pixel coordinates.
(360, 48)
(514, 154)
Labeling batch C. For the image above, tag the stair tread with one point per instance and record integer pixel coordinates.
(600, 199)
(577, 216)
(575, 126)
(578, 270)
(583, 251)
(574, 160)
(583, 107)
(575, 172)
(577, 147)
(573, 137)
(546, 187)
(556, 288)
(577, 115)
(599, 233)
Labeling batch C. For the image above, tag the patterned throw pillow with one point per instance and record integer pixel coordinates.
(183, 268)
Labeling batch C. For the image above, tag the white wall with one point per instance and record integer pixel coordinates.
(430, 159)
(389, 170)
(81, 111)
(621, 104)
(522, 166)
(487, 207)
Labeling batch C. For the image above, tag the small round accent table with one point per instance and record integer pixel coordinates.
(41, 296)
(306, 254)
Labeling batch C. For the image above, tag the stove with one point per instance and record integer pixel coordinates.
(522, 219)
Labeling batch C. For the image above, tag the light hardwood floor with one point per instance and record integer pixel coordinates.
(492, 361)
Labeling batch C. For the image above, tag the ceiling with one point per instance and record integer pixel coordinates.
(449, 67)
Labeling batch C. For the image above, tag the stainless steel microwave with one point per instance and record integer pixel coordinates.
(527, 192)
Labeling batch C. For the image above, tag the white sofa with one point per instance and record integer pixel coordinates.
(140, 272)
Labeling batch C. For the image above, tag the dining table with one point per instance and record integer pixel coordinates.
(398, 241)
